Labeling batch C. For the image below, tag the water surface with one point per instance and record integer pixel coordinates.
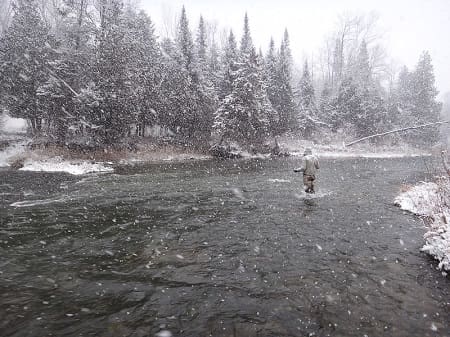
(218, 248)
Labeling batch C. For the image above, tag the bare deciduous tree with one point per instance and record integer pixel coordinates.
(340, 50)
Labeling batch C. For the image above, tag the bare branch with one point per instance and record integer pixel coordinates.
(395, 131)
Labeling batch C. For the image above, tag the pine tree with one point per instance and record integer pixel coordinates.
(112, 115)
(215, 67)
(199, 102)
(245, 114)
(362, 73)
(425, 108)
(285, 104)
(246, 47)
(143, 68)
(272, 77)
(201, 45)
(173, 91)
(401, 98)
(185, 42)
(229, 66)
(70, 68)
(307, 117)
(24, 58)
(188, 119)
(372, 116)
(347, 104)
(327, 111)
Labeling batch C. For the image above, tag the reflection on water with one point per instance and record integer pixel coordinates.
(229, 248)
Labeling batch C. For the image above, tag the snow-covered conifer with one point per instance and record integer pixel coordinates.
(25, 54)
(308, 113)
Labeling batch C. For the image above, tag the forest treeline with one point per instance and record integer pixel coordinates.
(94, 72)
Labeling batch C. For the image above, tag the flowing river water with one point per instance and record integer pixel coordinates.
(218, 248)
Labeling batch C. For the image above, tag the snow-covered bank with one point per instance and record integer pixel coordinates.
(432, 200)
(338, 153)
(337, 150)
(18, 153)
(60, 165)
(8, 155)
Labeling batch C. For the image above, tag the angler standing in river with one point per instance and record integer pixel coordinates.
(310, 165)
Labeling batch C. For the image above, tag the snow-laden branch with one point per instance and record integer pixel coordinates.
(394, 131)
(317, 122)
(52, 73)
(81, 120)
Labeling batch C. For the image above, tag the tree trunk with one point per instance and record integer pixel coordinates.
(80, 21)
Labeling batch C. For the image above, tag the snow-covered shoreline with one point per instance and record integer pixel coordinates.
(61, 160)
(60, 165)
(429, 199)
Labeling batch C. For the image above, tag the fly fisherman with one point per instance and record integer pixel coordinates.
(310, 165)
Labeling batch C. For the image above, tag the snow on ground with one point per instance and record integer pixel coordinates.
(341, 152)
(12, 125)
(11, 152)
(363, 154)
(58, 164)
(337, 149)
(431, 200)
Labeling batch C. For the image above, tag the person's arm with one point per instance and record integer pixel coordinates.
(301, 169)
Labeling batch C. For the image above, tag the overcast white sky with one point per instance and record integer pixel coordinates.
(410, 26)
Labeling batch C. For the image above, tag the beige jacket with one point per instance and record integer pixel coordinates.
(310, 165)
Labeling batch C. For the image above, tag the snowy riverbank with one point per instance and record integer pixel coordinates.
(18, 156)
(431, 200)
(58, 164)
(54, 159)
(337, 150)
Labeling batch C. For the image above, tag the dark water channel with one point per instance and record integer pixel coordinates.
(217, 249)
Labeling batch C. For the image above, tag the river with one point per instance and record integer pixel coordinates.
(218, 248)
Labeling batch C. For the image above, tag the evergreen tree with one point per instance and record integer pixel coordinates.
(229, 66)
(143, 68)
(285, 104)
(24, 58)
(425, 108)
(245, 114)
(307, 117)
(247, 49)
(372, 116)
(347, 104)
(199, 102)
(111, 115)
(327, 111)
(173, 91)
(272, 76)
(201, 45)
(70, 68)
(185, 43)
(362, 73)
(401, 100)
(215, 67)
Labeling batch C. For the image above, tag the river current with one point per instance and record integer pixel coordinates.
(218, 248)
